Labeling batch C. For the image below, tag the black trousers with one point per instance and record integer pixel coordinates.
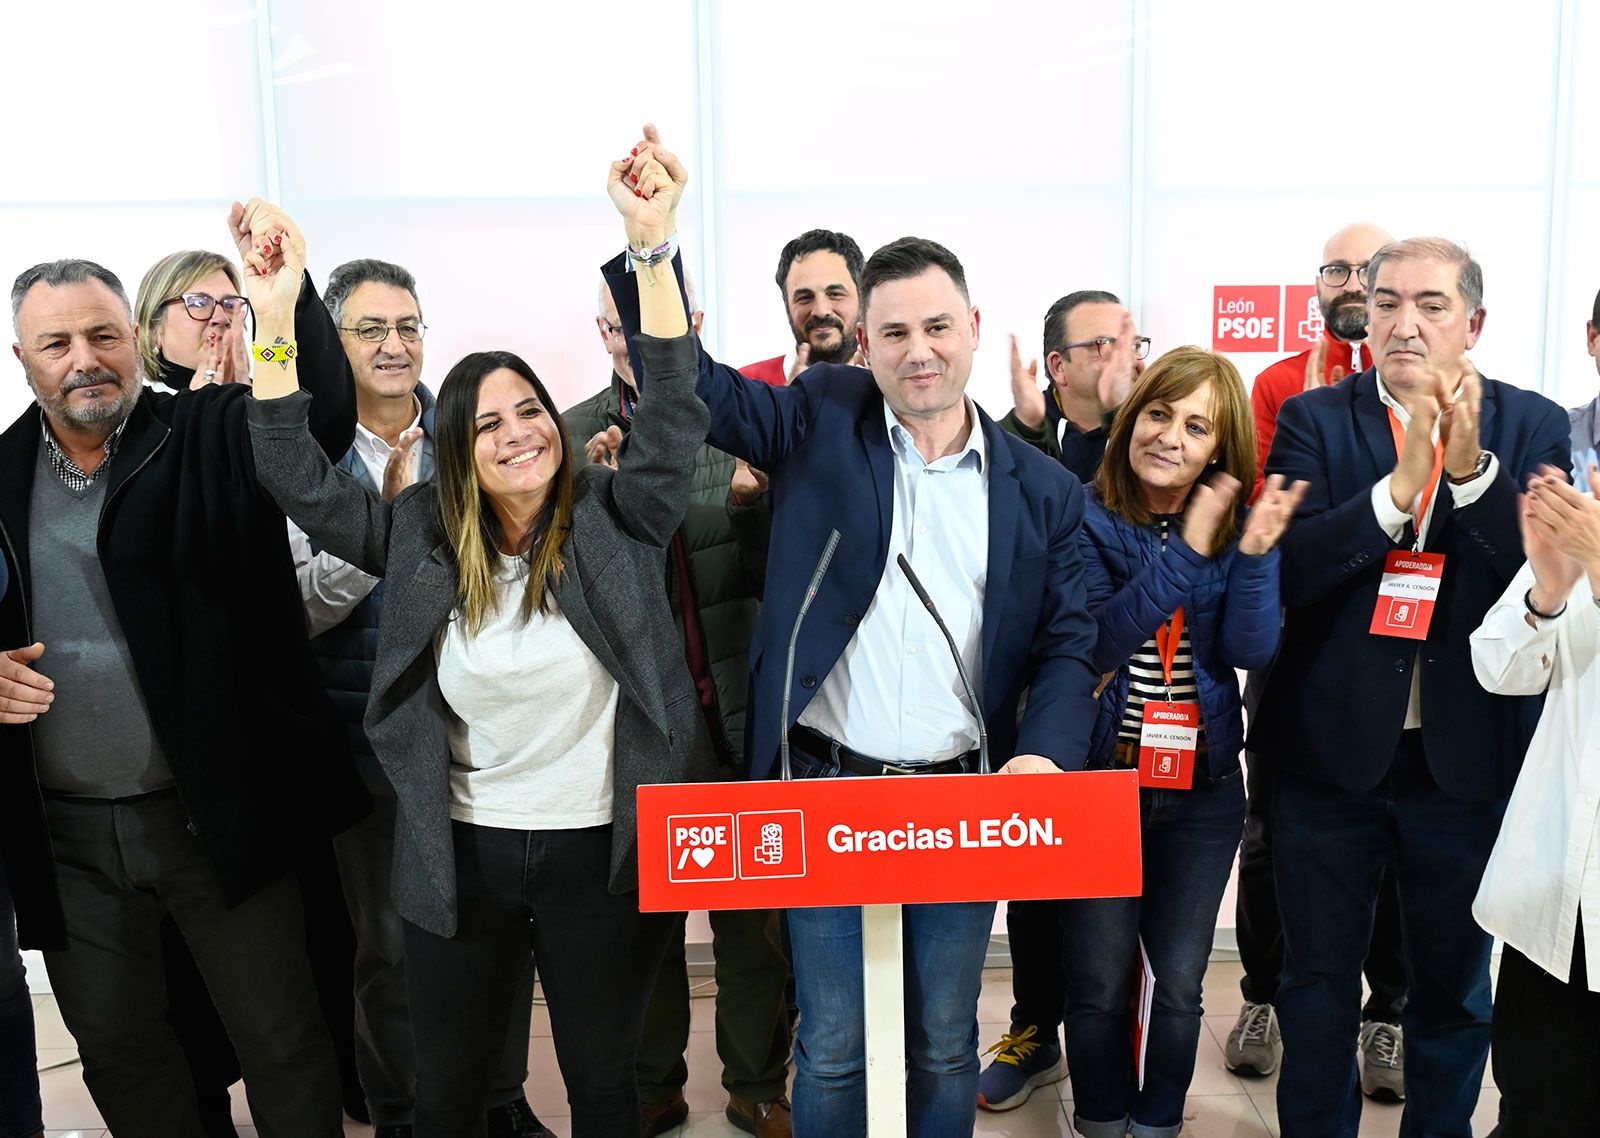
(1258, 926)
(1546, 1049)
(542, 892)
(123, 867)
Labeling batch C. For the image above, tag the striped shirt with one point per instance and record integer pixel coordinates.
(1146, 680)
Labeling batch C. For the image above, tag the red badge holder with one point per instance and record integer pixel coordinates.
(1170, 733)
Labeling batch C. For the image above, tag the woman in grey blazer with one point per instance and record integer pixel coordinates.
(529, 677)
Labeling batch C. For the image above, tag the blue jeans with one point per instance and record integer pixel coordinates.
(1330, 846)
(1189, 842)
(20, 1112)
(944, 950)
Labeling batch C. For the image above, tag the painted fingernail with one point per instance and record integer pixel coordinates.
(633, 152)
(633, 177)
(277, 239)
(638, 193)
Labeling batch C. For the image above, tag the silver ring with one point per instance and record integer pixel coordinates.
(211, 373)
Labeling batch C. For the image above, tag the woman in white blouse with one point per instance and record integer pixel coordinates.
(1541, 891)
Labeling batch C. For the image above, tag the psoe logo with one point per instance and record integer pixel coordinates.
(700, 847)
(1402, 614)
(1166, 765)
(772, 843)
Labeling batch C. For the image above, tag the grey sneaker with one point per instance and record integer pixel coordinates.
(1383, 1062)
(1254, 1045)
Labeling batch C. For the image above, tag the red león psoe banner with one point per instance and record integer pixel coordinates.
(888, 840)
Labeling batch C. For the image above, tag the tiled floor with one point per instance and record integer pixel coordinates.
(1221, 1105)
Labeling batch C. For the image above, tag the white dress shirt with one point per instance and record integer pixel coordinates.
(1394, 521)
(1546, 862)
(331, 588)
(895, 694)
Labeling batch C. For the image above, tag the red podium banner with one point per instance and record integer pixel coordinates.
(888, 840)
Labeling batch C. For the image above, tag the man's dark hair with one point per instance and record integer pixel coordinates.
(351, 275)
(1055, 321)
(1595, 318)
(906, 258)
(71, 270)
(819, 241)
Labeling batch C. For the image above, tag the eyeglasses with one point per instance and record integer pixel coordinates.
(1337, 273)
(200, 305)
(373, 332)
(1141, 345)
(609, 328)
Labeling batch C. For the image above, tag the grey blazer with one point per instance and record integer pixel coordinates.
(612, 591)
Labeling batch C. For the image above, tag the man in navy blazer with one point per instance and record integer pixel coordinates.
(1383, 744)
(900, 461)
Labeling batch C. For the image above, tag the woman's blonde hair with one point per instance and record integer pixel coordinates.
(470, 524)
(167, 280)
(1175, 375)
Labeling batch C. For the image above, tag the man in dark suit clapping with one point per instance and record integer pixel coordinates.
(1382, 739)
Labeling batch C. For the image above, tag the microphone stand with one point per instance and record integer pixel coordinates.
(961, 669)
(794, 635)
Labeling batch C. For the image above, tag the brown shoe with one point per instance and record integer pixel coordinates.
(763, 1119)
(659, 1117)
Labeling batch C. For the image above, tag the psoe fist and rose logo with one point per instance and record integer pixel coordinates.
(729, 847)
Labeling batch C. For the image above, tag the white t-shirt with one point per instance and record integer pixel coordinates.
(533, 718)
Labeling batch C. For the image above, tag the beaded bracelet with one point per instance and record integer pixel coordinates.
(275, 353)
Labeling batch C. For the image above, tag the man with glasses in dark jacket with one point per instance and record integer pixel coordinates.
(716, 564)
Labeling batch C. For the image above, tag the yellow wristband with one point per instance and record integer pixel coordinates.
(275, 353)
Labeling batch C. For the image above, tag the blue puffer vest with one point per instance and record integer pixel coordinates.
(345, 652)
(1230, 609)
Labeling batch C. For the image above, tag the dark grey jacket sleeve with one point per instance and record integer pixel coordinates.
(650, 487)
(339, 513)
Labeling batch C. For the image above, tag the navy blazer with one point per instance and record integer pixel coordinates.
(824, 441)
(1335, 703)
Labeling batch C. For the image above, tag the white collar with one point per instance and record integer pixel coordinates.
(378, 446)
(901, 443)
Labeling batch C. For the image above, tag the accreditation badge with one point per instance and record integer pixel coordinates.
(1407, 594)
(1168, 738)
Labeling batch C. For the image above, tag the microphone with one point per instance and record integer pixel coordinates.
(794, 635)
(961, 669)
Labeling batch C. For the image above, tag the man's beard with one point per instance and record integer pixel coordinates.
(1346, 316)
(840, 354)
(60, 407)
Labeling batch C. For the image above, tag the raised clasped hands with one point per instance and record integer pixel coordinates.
(273, 251)
(646, 188)
(1269, 518)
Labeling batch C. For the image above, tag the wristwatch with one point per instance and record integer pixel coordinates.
(1484, 458)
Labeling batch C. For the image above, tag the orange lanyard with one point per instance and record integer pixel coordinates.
(1167, 638)
(1421, 517)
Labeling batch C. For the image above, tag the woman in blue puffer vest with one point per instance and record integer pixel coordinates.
(1184, 585)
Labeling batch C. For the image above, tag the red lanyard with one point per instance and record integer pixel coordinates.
(1421, 517)
(1167, 638)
